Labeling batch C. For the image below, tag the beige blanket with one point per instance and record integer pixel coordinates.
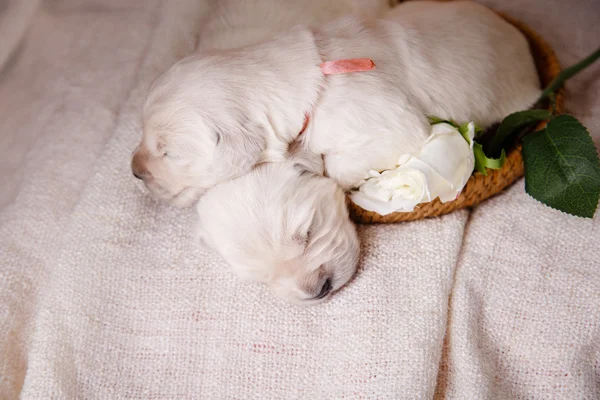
(104, 296)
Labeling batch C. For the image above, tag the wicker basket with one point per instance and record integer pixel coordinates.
(480, 187)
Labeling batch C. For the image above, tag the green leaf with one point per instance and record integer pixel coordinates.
(514, 124)
(562, 169)
(464, 130)
(482, 161)
(437, 120)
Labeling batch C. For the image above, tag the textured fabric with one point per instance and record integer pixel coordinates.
(525, 307)
(104, 296)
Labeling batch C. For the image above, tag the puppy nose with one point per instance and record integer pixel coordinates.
(325, 289)
(138, 167)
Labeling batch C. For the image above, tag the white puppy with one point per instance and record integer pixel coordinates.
(175, 156)
(285, 225)
(215, 115)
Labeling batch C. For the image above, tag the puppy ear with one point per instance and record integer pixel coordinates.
(240, 150)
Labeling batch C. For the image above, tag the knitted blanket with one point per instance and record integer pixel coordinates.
(103, 294)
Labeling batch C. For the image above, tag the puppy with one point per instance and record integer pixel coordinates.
(285, 225)
(456, 60)
(215, 115)
(185, 148)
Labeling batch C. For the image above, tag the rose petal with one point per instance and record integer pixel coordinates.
(448, 153)
(440, 169)
(395, 190)
(382, 207)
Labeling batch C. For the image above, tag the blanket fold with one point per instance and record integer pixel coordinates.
(103, 293)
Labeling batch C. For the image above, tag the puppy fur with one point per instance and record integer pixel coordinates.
(216, 114)
(187, 144)
(455, 60)
(285, 225)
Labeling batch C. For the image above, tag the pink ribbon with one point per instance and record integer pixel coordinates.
(346, 66)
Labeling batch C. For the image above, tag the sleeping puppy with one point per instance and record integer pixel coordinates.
(456, 60)
(178, 146)
(215, 115)
(285, 225)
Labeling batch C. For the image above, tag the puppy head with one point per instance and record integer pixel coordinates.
(199, 129)
(285, 226)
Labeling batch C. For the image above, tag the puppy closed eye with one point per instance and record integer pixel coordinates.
(171, 156)
(161, 149)
(167, 152)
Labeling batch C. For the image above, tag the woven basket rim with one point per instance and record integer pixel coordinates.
(480, 187)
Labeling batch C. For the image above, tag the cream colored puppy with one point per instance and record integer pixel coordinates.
(181, 152)
(215, 115)
(285, 225)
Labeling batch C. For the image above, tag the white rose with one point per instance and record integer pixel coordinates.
(450, 158)
(395, 190)
(440, 169)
